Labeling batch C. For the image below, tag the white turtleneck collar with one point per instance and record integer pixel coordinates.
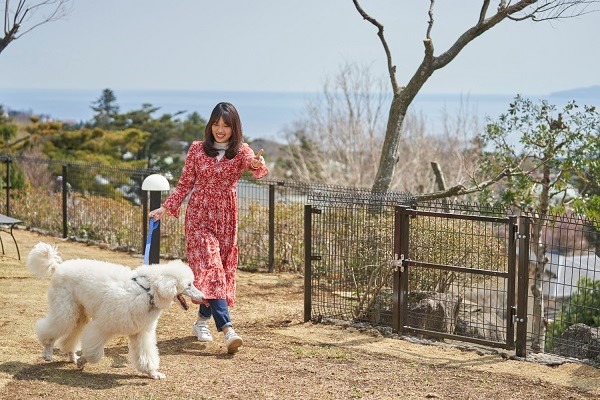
(220, 147)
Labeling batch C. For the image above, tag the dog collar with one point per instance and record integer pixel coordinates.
(147, 291)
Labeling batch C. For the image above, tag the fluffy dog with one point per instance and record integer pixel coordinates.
(91, 301)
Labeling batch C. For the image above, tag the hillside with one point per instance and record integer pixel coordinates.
(590, 92)
(272, 150)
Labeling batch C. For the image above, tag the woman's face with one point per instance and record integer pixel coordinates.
(221, 131)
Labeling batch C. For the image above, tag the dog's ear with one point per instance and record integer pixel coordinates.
(164, 290)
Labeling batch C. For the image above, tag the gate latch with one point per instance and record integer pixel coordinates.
(515, 318)
(397, 263)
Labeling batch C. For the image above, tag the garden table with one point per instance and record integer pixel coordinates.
(7, 224)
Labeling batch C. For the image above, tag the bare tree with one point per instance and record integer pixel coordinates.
(22, 16)
(338, 140)
(523, 10)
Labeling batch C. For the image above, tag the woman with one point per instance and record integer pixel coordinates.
(211, 172)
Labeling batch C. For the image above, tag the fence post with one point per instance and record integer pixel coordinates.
(65, 219)
(396, 274)
(307, 262)
(400, 285)
(512, 278)
(403, 270)
(523, 286)
(271, 227)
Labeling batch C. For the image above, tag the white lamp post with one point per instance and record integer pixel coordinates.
(154, 184)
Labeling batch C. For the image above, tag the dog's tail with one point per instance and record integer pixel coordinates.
(43, 259)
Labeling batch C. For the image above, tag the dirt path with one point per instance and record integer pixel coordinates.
(283, 358)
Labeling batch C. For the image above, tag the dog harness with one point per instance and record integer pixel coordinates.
(147, 291)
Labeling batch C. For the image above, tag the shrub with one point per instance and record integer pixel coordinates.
(582, 308)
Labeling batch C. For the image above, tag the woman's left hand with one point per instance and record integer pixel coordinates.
(257, 161)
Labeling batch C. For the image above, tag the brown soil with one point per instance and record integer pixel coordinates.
(282, 357)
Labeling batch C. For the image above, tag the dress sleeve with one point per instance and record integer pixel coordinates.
(249, 155)
(186, 182)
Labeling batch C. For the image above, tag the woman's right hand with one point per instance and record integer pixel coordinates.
(157, 214)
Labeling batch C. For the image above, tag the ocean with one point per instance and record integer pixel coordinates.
(264, 114)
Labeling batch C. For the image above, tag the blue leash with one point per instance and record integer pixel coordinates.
(153, 225)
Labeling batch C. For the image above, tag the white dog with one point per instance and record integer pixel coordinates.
(91, 301)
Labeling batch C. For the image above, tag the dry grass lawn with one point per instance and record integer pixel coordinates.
(283, 358)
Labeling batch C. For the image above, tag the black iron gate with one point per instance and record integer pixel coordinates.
(455, 276)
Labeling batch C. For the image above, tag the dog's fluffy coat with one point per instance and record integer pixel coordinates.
(91, 301)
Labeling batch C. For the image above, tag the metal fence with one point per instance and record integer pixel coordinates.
(570, 288)
(105, 205)
(348, 244)
(453, 270)
(90, 202)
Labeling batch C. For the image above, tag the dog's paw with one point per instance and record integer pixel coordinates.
(156, 375)
(73, 357)
(47, 353)
(81, 361)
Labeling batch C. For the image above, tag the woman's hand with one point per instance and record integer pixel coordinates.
(257, 161)
(157, 214)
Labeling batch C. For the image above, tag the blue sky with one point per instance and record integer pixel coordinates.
(291, 45)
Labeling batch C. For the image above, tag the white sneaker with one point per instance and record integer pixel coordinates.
(200, 329)
(232, 341)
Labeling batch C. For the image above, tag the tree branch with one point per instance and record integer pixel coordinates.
(483, 12)
(440, 182)
(548, 10)
(552, 10)
(459, 190)
(28, 15)
(388, 53)
(430, 23)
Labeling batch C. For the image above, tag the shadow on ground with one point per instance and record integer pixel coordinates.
(62, 372)
(65, 373)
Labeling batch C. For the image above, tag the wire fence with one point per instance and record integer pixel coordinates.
(347, 256)
(452, 270)
(570, 288)
(105, 205)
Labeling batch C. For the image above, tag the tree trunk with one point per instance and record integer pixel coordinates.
(390, 151)
(539, 327)
(440, 183)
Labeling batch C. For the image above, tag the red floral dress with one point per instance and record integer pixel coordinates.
(211, 217)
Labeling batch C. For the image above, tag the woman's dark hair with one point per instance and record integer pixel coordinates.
(231, 117)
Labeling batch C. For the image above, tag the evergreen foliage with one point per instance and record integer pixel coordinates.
(582, 308)
(557, 150)
(135, 139)
(106, 109)
(8, 130)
